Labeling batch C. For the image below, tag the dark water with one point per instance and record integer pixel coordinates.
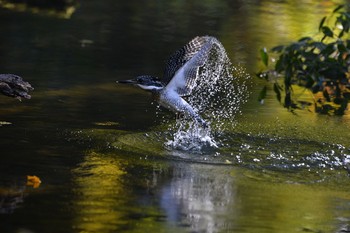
(99, 150)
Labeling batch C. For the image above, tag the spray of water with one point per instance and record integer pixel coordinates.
(221, 90)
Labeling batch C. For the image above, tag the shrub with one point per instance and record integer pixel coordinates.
(319, 64)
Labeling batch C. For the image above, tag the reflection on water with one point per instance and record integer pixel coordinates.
(10, 198)
(13, 194)
(198, 199)
(98, 186)
(288, 182)
(171, 196)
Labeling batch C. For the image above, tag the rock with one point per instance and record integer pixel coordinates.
(14, 86)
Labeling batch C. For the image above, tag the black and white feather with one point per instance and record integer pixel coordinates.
(182, 68)
(180, 76)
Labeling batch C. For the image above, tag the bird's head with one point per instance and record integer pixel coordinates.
(146, 82)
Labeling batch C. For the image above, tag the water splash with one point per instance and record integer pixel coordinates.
(221, 90)
(190, 136)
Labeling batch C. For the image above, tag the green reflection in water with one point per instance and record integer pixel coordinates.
(181, 197)
(107, 199)
(98, 187)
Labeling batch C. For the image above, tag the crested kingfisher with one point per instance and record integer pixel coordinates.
(180, 77)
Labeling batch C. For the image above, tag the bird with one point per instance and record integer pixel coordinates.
(181, 75)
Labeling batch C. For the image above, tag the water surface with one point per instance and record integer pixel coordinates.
(99, 149)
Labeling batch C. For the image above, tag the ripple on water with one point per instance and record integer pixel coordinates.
(256, 152)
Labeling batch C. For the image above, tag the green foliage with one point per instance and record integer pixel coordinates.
(319, 64)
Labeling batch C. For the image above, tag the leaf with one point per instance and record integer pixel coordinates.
(309, 82)
(278, 49)
(305, 39)
(33, 181)
(319, 45)
(330, 48)
(327, 31)
(264, 56)
(279, 66)
(262, 95)
(326, 96)
(342, 48)
(322, 22)
(338, 8)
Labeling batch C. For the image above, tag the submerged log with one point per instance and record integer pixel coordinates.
(14, 86)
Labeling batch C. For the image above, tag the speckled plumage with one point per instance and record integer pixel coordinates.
(180, 76)
(188, 59)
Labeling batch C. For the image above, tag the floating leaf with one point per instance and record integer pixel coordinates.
(33, 181)
(264, 56)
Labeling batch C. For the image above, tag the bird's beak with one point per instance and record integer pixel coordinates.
(130, 81)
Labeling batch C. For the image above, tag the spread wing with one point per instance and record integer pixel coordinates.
(182, 67)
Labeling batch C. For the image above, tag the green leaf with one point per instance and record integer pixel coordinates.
(319, 45)
(338, 8)
(330, 48)
(278, 49)
(327, 31)
(321, 23)
(279, 66)
(305, 39)
(264, 56)
(342, 48)
(309, 82)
